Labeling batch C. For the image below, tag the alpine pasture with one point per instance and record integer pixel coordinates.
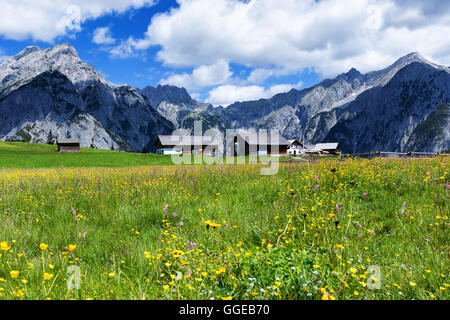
(130, 229)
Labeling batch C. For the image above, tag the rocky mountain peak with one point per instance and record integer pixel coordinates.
(53, 89)
(61, 49)
(33, 61)
(408, 59)
(351, 75)
(169, 94)
(28, 50)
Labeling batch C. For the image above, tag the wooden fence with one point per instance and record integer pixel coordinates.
(382, 154)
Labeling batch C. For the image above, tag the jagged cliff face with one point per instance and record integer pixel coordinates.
(46, 108)
(53, 92)
(403, 107)
(173, 103)
(409, 113)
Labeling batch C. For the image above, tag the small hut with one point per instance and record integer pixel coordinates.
(329, 148)
(68, 145)
(261, 143)
(177, 144)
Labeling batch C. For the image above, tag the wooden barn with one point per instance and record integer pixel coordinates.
(259, 144)
(329, 148)
(176, 144)
(68, 145)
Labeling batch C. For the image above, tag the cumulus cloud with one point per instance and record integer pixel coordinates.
(3, 57)
(201, 77)
(129, 47)
(260, 75)
(330, 36)
(46, 20)
(227, 94)
(103, 36)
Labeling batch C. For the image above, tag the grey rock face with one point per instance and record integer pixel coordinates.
(394, 109)
(48, 105)
(409, 113)
(171, 102)
(362, 111)
(54, 90)
(432, 134)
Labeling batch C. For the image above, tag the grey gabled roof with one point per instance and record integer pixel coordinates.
(176, 140)
(264, 139)
(65, 141)
(327, 146)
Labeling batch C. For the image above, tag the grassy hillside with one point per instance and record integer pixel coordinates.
(30, 155)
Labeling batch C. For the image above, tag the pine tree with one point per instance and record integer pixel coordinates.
(50, 138)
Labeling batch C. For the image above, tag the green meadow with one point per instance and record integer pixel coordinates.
(116, 226)
(33, 155)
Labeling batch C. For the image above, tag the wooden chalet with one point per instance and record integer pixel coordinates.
(177, 144)
(68, 145)
(259, 144)
(329, 148)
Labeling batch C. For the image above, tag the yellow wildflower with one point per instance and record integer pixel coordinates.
(4, 246)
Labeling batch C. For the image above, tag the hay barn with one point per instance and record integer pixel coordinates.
(68, 145)
(259, 144)
(177, 144)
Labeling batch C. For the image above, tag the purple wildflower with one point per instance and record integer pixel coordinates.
(191, 245)
(338, 206)
(403, 208)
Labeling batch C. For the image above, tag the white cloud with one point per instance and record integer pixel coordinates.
(129, 47)
(201, 77)
(3, 57)
(280, 88)
(227, 94)
(330, 36)
(103, 36)
(46, 20)
(260, 75)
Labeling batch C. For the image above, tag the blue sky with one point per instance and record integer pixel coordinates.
(223, 51)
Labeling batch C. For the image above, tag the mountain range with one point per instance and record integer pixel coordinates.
(51, 93)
